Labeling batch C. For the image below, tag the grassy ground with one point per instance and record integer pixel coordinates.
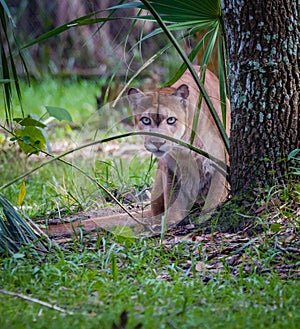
(76, 95)
(79, 98)
(190, 281)
(156, 285)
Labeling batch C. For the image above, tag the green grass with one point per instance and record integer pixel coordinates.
(154, 284)
(45, 189)
(60, 188)
(76, 95)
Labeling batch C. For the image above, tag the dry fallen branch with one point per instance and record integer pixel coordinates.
(37, 301)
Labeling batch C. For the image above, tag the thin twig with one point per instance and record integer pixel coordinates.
(37, 301)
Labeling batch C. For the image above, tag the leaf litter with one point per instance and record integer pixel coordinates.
(273, 250)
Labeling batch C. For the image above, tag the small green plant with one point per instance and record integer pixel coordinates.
(121, 175)
(295, 157)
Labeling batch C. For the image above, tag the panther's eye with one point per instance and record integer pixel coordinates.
(171, 120)
(146, 121)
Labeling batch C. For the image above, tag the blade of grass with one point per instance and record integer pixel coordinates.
(6, 10)
(222, 80)
(210, 46)
(84, 20)
(137, 72)
(218, 162)
(191, 57)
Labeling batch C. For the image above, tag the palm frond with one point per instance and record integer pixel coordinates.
(179, 11)
(8, 71)
(17, 231)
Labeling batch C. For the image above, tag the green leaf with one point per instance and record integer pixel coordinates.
(29, 122)
(8, 70)
(222, 74)
(123, 233)
(114, 267)
(191, 57)
(275, 227)
(31, 140)
(59, 113)
(22, 193)
(210, 46)
(293, 154)
(3, 81)
(84, 20)
(18, 255)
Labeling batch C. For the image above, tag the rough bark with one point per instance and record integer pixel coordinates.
(263, 45)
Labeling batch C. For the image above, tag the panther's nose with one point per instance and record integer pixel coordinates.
(156, 146)
(158, 143)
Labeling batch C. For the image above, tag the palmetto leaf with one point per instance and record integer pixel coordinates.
(84, 20)
(191, 57)
(15, 231)
(8, 73)
(184, 11)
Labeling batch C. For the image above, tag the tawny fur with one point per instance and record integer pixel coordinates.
(183, 177)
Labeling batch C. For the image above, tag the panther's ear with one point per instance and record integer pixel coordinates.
(134, 96)
(133, 91)
(182, 91)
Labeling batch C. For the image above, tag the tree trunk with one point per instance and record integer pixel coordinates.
(263, 45)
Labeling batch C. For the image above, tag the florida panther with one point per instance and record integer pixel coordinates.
(183, 177)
